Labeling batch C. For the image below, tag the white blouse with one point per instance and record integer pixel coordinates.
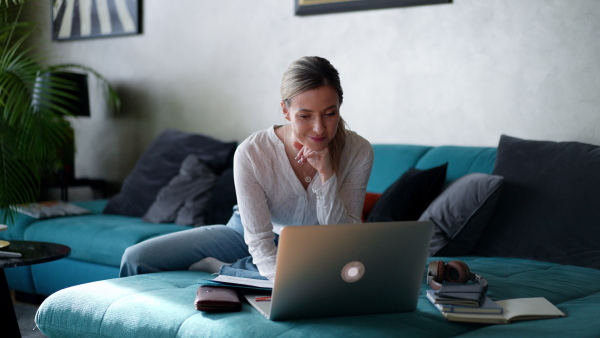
(270, 196)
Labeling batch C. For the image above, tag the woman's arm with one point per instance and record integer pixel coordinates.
(254, 210)
(344, 204)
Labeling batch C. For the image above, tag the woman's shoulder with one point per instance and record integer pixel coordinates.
(357, 143)
(259, 140)
(357, 153)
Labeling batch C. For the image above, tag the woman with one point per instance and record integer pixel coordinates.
(310, 171)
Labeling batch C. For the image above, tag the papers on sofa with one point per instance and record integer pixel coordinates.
(513, 310)
(241, 282)
(50, 209)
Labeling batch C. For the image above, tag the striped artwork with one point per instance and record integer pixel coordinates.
(79, 19)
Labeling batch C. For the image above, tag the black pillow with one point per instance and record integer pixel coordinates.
(160, 163)
(220, 207)
(183, 200)
(409, 196)
(461, 213)
(548, 206)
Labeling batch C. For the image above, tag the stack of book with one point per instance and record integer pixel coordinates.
(489, 312)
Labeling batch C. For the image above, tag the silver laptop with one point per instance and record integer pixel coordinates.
(347, 269)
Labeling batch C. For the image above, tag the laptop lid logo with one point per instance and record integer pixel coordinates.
(353, 271)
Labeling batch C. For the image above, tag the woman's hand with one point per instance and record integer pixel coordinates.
(319, 160)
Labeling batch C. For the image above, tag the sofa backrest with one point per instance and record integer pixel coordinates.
(392, 160)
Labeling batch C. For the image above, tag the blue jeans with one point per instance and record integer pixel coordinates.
(179, 250)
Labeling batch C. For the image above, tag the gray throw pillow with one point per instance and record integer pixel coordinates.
(184, 199)
(461, 213)
(220, 206)
(160, 163)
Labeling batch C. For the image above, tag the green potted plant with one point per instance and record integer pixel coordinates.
(30, 134)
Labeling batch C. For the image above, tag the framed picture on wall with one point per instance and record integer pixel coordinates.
(84, 19)
(311, 7)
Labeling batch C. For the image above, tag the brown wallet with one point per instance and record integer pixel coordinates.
(217, 299)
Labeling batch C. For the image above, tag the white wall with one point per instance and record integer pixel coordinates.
(462, 73)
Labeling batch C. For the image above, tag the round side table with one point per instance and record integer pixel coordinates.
(31, 253)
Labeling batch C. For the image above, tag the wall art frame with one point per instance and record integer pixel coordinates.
(313, 7)
(86, 19)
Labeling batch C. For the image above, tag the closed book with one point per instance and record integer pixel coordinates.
(461, 294)
(514, 310)
(487, 305)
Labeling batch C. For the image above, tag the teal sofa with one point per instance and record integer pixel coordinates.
(524, 248)
(98, 240)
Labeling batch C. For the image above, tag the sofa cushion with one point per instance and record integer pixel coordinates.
(461, 213)
(160, 163)
(220, 206)
(461, 160)
(548, 206)
(183, 201)
(390, 161)
(409, 196)
(97, 238)
(161, 305)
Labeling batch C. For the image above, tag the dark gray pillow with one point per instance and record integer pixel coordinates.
(161, 162)
(461, 213)
(548, 206)
(220, 206)
(409, 196)
(183, 200)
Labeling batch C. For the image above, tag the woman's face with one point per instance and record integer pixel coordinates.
(314, 116)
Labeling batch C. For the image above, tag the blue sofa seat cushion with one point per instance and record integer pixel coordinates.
(548, 205)
(161, 305)
(97, 238)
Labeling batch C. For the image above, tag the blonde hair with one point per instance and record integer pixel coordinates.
(311, 72)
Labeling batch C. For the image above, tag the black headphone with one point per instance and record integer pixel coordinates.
(453, 272)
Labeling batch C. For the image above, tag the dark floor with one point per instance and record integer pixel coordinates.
(26, 315)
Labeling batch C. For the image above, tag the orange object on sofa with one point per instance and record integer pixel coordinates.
(370, 200)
